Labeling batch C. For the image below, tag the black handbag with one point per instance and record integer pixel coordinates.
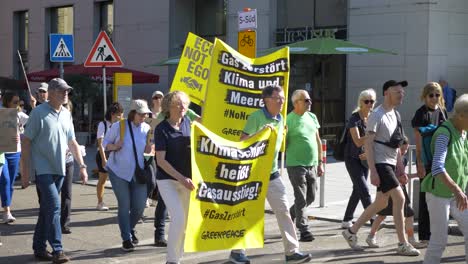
(141, 175)
(339, 150)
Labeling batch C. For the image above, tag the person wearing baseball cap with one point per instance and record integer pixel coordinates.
(127, 147)
(42, 93)
(384, 136)
(48, 154)
(156, 98)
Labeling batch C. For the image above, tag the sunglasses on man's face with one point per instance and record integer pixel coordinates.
(432, 95)
(369, 101)
(42, 91)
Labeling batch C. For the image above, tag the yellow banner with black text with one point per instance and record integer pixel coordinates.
(231, 182)
(235, 87)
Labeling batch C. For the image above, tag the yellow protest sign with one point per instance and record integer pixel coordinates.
(194, 67)
(231, 179)
(235, 87)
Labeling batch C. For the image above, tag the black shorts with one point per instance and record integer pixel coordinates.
(99, 162)
(388, 179)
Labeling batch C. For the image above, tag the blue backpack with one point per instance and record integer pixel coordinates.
(426, 136)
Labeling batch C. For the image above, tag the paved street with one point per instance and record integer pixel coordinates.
(96, 239)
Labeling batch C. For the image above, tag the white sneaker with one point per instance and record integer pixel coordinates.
(372, 241)
(351, 239)
(346, 224)
(102, 207)
(8, 218)
(417, 244)
(407, 249)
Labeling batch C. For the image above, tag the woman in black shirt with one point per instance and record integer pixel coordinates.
(355, 156)
(432, 112)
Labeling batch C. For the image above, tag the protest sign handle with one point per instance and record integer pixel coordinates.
(24, 72)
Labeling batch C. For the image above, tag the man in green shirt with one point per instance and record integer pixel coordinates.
(303, 159)
(270, 115)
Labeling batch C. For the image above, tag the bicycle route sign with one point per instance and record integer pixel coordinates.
(246, 43)
(61, 48)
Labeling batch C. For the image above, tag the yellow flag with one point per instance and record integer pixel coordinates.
(194, 67)
(231, 182)
(235, 86)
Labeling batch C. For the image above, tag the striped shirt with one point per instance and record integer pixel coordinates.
(440, 153)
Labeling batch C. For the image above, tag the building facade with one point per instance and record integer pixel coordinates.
(430, 38)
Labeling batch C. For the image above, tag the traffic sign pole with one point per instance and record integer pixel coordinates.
(104, 87)
(61, 70)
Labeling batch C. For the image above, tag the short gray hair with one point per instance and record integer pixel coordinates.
(297, 95)
(461, 105)
(364, 94)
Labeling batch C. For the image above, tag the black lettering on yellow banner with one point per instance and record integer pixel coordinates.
(220, 193)
(244, 99)
(208, 147)
(233, 172)
(279, 65)
(240, 80)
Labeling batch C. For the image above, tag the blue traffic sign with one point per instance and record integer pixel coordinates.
(61, 47)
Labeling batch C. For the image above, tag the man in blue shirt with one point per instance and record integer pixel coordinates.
(48, 134)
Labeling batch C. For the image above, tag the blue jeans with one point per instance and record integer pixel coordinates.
(358, 174)
(131, 200)
(48, 222)
(7, 177)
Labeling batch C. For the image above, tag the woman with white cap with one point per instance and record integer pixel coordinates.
(131, 195)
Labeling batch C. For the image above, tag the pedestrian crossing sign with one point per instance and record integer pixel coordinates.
(103, 53)
(61, 47)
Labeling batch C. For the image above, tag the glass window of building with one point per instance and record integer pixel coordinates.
(21, 41)
(210, 18)
(106, 18)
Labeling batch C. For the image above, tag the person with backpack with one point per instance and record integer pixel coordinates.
(432, 113)
(113, 114)
(355, 131)
(407, 211)
(384, 136)
(446, 183)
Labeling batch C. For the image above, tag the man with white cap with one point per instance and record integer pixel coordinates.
(42, 95)
(48, 134)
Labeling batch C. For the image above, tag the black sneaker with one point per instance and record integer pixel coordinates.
(160, 242)
(298, 257)
(307, 237)
(66, 230)
(59, 257)
(127, 246)
(135, 240)
(43, 255)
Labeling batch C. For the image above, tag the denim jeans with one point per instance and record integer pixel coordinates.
(66, 195)
(48, 222)
(304, 182)
(358, 174)
(7, 177)
(131, 200)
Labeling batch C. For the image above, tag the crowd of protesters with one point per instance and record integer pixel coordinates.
(376, 145)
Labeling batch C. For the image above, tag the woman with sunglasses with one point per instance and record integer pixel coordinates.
(355, 156)
(431, 112)
(11, 168)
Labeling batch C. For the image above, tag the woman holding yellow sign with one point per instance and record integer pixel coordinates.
(172, 145)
